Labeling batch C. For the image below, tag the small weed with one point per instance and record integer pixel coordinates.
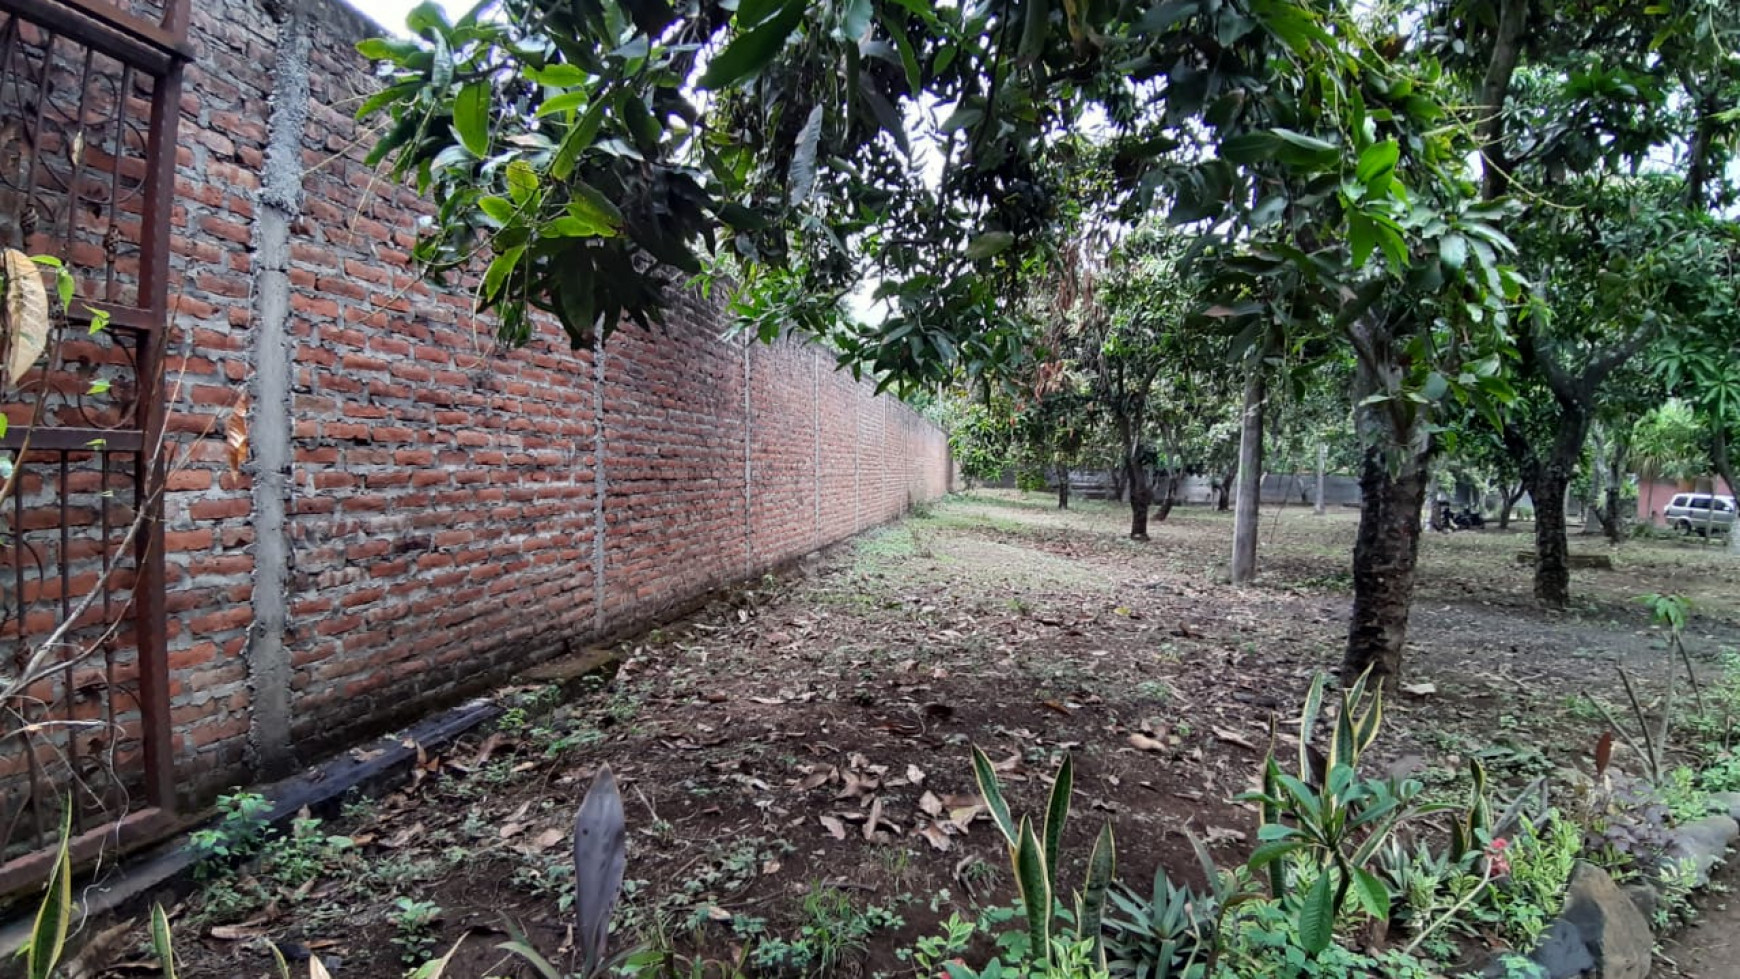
(239, 833)
(929, 953)
(414, 928)
(1157, 691)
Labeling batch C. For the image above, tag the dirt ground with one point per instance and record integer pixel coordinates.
(806, 740)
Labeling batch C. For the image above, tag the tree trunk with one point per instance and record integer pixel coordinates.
(1611, 524)
(1507, 47)
(1062, 487)
(1552, 549)
(1141, 495)
(1250, 479)
(1170, 497)
(1511, 498)
(1384, 556)
(1397, 445)
(1549, 488)
(1725, 470)
(1223, 490)
(1322, 463)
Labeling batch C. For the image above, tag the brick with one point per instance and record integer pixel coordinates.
(441, 506)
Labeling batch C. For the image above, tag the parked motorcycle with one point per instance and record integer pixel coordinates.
(1449, 518)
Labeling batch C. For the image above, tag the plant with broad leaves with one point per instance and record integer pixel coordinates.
(1034, 855)
(1326, 825)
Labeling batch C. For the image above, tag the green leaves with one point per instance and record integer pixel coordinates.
(54, 915)
(988, 244)
(802, 178)
(1317, 914)
(986, 775)
(161, 942)
(1034, 878)
(471, 117)
(502, 266)
(750, 51)
(1377, 166)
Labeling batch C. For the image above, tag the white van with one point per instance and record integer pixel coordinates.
(1700, 513)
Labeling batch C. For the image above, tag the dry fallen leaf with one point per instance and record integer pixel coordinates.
(512, 829)
(1220, 834)
(1234, 737)
(245, 931)
(1419, 689)
(931, 805)
(1141, 742)
(549, 838)
(25, 312)
(875, 817)
(937, 835)
(403, 837)
(835, 828)
(489, 746)
(817, 779)
(316, 970)
(236, 435)
(915, 774)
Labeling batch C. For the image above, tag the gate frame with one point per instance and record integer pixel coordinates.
(160, 50)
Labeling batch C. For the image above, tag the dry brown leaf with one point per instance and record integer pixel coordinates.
(1141, 742)
(937, 835)
(963, 816)
(236, 435)
(931, 805)
(25, 312)
(915, 774)
(1220, 834)
(835, 828)
(875, 817)
(549, 838)
(1234, 737)
(512, 829)
(316, 970)
(1419, 689)
(816, 780)
(245, 931)
(857, 786)
(489, 746)
(404, 837)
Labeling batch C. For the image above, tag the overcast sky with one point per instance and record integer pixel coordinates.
(391, 13)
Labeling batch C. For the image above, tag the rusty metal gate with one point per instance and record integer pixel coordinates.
(90, 94)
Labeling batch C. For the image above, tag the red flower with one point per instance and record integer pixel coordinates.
(1495, 857)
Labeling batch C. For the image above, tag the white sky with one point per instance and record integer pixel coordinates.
(391, 13)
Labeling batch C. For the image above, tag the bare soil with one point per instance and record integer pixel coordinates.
(799, 737)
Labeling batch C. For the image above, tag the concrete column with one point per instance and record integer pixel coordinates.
(748, 461)
(1322, 464)
(599, 484)
(816, 424)
(269, 427)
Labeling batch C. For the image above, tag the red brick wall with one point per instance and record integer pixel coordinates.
(443, 514)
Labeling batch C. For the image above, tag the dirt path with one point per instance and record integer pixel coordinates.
(1710, 949)
(811, 735)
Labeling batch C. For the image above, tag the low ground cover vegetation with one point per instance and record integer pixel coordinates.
(894, 759)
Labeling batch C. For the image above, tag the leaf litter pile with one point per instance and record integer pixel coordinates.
(794, 757)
